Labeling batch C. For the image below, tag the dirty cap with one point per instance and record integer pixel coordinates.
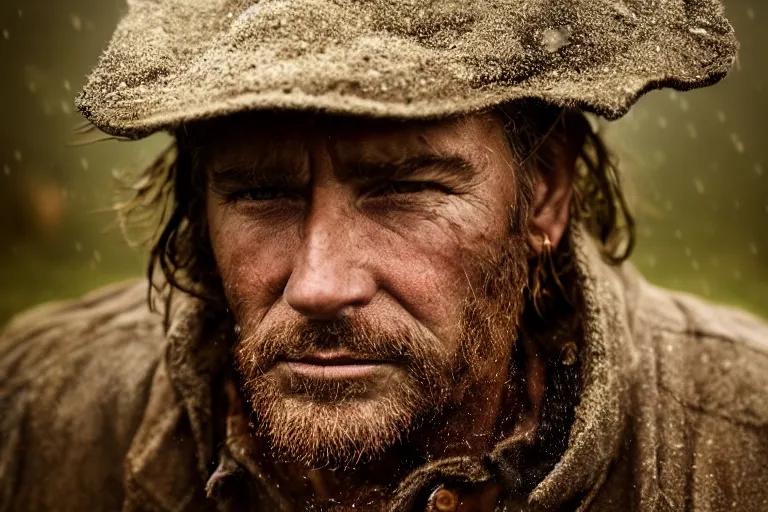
(172, 62)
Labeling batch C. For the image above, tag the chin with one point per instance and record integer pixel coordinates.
(341, 424)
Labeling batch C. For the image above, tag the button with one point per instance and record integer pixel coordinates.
(443, 500)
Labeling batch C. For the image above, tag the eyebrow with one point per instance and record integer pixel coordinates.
(455, 166)
(256, 176)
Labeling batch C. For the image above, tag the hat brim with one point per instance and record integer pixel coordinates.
(158, 75)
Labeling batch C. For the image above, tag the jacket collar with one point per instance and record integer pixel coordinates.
(177, 430)
(609, 360)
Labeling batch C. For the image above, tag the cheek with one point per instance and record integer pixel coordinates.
(429, 269)
(254, 262)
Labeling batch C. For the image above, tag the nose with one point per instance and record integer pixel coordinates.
(330, 277)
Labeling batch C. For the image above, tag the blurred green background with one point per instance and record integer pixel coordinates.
(696, 165)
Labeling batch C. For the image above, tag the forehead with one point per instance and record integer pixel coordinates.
(286, 138)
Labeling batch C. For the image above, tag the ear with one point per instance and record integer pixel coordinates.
(553, 190)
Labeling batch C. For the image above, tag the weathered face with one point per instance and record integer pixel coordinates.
(372, 270)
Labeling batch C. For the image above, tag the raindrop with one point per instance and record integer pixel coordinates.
(67, 86)
(737, 274)
(17, 155)
(692, 133)
(678, 234)
(736, 204)
(684, 104)
(695, 265)
(751, 14)
(737, 143)
(758, 170)
(699, 185)
(84, 163)
(688, 251)
(97, 256)
(78, 246)
(668, 205)
(65, 108)
(6, 34)
(721, 116)
(554, 39)
(651, 261)
(662, 122)
(753, 248)
(32, 86)
(20, 13)
(77, 23)
(6, 170)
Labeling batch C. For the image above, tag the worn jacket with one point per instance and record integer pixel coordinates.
(103, 407)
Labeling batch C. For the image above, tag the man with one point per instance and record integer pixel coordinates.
(390, 277)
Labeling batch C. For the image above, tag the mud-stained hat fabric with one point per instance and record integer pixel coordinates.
(175, 61)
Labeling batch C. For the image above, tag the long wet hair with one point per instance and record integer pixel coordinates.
(170, 194)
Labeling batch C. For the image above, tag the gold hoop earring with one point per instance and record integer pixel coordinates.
(539, 275)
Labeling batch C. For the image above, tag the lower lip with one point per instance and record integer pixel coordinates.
(331, 371)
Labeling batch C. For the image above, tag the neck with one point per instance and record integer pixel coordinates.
(495, 408)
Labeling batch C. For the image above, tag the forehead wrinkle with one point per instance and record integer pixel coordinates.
(264, 160)
(447, 165)
(397, 157)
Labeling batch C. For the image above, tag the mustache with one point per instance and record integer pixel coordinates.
(299, 339)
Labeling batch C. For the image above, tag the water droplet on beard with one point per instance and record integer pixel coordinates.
(237, 330)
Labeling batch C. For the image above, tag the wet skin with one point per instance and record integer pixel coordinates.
(326, 218)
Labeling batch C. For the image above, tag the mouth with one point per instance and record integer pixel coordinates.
(333, 365)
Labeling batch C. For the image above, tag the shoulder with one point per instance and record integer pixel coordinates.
(710, 357)
(704, 392)
(71, 374)
(110, 329)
